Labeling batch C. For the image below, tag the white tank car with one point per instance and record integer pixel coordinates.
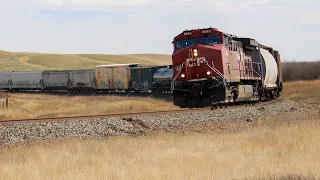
(26, 79)
(271, 69)
(163, 77)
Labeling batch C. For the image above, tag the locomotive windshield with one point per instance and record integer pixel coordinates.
(210, 40)
(185, 43)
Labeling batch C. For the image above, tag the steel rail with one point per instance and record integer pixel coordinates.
(64, 118)
(100, 116)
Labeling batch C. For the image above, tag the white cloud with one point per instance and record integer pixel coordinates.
(96, 2)
(295, 1)
(311, 18)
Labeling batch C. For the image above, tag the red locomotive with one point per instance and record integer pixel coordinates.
(215, 68)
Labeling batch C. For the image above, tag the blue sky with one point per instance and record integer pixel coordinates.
(148, 26)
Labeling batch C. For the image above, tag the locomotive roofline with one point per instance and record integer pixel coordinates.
(245, 40)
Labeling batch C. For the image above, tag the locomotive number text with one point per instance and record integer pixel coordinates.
(206, 31)
(189, 33)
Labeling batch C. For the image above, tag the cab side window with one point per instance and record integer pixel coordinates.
(226, 41)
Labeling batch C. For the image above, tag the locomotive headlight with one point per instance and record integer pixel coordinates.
(208, 73)
(195, 53)
(183, 75)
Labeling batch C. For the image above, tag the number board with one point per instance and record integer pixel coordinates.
(206, 31)
(187, 33)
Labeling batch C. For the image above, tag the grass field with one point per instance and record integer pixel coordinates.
(285, 146)
(302, 91)
(288, 148)
(37, 61)
(43, 105)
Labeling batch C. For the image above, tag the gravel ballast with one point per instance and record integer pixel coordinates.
(136, 125)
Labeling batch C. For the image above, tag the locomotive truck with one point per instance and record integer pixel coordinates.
(214, 68)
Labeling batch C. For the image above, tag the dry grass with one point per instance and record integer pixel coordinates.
(303, 91)
(285, 146)
(285, 150)
(39, 61)
(39, 105)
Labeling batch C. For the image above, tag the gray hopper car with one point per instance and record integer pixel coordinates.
(26, 80)
(82, 80)
(4, 80)
(56, 79)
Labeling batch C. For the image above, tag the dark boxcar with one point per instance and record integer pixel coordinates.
(141, 78)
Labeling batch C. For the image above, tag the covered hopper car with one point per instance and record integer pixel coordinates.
(82, 80)
(115, 77)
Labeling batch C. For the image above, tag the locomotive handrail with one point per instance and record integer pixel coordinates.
(216, 71)
(174, 79)
(256, 72)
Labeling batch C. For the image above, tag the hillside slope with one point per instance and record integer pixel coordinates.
(35, 61)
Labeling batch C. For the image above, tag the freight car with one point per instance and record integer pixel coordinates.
(162, 80)
(56, 80)
(82, 80)
(152, 78)
(5, 80)
(215, 68)
(115, 77)
(26, 80)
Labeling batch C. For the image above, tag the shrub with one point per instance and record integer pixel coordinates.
(293, 71)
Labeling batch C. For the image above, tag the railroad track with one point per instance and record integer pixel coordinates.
(121, 114)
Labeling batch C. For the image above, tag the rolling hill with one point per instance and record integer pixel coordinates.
(40, 61)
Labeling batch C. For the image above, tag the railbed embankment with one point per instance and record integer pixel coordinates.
(141, 124)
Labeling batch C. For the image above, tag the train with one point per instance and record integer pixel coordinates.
(209, 68)
(214, 68)
(103, 78)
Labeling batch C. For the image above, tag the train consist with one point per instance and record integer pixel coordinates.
(116, 77)
(214, 68)
(209, 68)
